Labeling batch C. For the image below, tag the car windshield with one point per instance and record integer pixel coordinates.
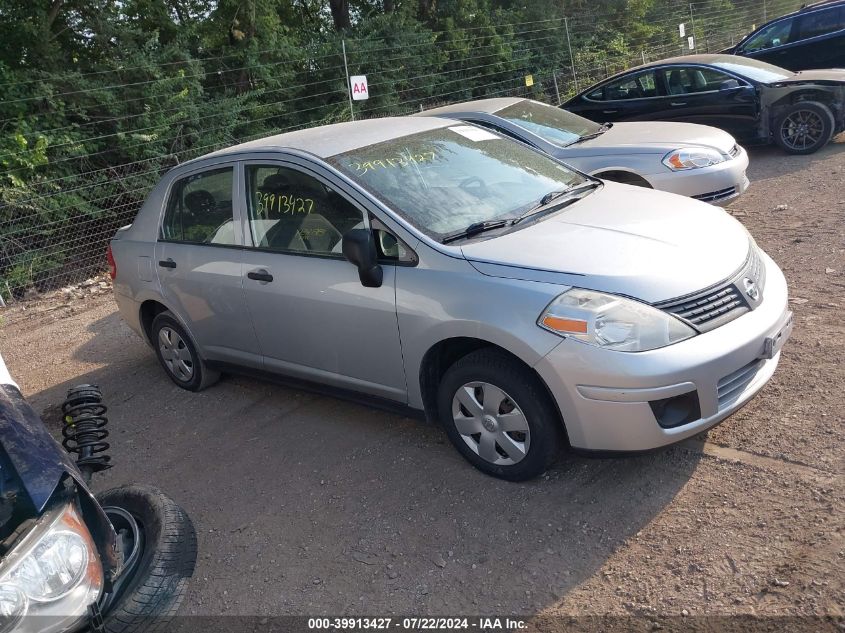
(444, 180)
(754, 69)
(554, 125)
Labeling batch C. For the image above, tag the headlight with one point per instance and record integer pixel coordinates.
(53, 572)
(612, 322)
(693, 158)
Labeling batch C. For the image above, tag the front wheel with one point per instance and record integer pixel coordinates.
(499, 416)
(161, 552)
(804, 127)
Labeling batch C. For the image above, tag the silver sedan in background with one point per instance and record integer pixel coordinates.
(698, 161)
(448, 269)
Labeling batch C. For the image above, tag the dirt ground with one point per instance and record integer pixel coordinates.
(308, 505)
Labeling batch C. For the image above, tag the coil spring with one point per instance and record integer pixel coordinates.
(84, 429)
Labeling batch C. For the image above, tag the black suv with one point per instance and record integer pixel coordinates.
(813, 37)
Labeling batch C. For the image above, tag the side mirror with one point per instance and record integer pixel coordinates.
(729, 84)
(359, 247)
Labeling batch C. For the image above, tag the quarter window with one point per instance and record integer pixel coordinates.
(291, 211)
(199, 210)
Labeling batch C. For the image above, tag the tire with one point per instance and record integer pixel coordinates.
(178, 355)
(804, 127)
(521, 401)
(166, 561)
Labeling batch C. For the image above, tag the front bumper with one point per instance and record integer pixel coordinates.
(604, 396)
(719, 184)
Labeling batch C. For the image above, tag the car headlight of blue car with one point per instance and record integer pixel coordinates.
(53, 572)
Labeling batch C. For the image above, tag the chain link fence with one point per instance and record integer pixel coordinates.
(66, 188)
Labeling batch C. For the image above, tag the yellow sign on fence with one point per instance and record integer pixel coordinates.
(529, 80)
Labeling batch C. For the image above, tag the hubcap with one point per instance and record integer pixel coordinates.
(491, 423)
(175, 354)
(802, 129)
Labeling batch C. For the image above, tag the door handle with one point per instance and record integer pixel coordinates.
(609, 111)
(260, 275)
(167, 263)
(677, 103)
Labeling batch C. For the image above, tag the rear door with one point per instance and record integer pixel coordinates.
(313, 317)
(198, 258)
(822, 38)
(705, 95)
(634, 97)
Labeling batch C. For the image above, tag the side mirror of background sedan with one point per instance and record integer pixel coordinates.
(359, 247)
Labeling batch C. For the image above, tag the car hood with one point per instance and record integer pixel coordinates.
(655, 137)
(627, 240)
(836, 75)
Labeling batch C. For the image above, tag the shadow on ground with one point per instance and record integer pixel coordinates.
(306, 504)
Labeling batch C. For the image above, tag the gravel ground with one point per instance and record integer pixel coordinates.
(308, 505)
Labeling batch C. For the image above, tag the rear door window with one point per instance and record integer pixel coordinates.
(199, 210)
(640, 86)
(820, 23)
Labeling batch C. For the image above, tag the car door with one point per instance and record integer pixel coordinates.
(634, 97)
(821, 37)
(708, 96)
(198, 259)
(313, 317)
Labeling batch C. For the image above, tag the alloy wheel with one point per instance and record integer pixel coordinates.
(491, 423)
(802, 129)
(175, 354)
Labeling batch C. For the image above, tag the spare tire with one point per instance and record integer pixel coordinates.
(151, 589)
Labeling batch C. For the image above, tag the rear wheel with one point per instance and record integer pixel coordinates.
(161, 551)
(499, 416)
(804, 127)
(177, 353)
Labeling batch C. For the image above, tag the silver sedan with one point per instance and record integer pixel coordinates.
(698, 161)
(446, 269)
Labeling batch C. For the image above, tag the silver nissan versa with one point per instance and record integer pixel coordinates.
(440, 266)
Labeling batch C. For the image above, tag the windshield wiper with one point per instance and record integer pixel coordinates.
(604, 128)
(476, 228)
(547, 200)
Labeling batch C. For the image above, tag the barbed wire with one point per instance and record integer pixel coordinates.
(54, 230)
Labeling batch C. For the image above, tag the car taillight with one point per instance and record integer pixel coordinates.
(112, 264)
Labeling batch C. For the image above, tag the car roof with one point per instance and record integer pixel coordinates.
(328, 140)
(488, 106)
(712, 58)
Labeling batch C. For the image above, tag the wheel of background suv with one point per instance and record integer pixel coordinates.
(804, 127)
(178, 355)
(164, 543)
(499, 416)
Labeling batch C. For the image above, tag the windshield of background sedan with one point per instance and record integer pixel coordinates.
(754, 69)
(556, 126)
(443, 180)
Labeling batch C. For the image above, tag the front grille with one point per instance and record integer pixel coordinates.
(731, 386)
(722, 303)
(715, 196)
